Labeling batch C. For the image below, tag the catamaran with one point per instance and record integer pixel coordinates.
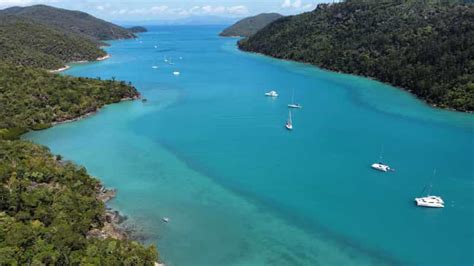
(381, 166)
(430, 201)
(293, 104)
(289, 122)
(271, 94)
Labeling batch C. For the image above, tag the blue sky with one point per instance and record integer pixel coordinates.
(142, 10)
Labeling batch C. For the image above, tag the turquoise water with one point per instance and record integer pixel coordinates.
(210, 151)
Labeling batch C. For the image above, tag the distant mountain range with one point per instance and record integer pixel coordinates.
(251, 25)
(425, 47)
(192, 20)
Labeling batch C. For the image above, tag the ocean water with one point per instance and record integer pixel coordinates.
(209, 151)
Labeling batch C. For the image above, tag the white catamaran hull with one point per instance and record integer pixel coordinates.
(381, 167)
(430, 202)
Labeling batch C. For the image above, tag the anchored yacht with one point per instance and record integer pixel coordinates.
(289, 123)
(271, 94)
(430, 202)
(381, 167)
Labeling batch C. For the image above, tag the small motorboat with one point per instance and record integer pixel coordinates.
(176, 73)
(165, 219)
(154, 67)
(295, 106)
(430, 202)
(381, 167)
(271, 94)
(289, 122)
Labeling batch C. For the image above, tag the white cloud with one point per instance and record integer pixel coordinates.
(195, 10)
(286, 4)
(238, 10)
(296, 4)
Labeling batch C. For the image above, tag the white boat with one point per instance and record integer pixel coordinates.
(293, 104)
(154, 67)
(381, 167)
(176, 73)
(289, 122)
(165, 219)
(430, 202)
(271, 94)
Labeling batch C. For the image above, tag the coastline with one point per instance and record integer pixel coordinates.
(66, 67)
(86, 115)
(431, 105)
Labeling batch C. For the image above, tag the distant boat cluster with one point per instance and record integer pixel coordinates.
(429, 201)
(292, 105)
(167, 61)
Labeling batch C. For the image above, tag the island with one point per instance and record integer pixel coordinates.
(251, 25)
(424, 47)
(137, 29)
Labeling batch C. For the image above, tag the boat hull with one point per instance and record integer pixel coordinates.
(422, 203)
(380, 167)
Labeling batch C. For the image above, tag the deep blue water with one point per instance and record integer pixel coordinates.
(210, 151)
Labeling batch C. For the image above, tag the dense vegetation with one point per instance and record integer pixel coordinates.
(51, 211)
(69, 21)
(137, 29)
(426, 47)
(251, 25)
(47, 206)
(25, 43)
(34, 99)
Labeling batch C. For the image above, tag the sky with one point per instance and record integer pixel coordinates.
(143, 10)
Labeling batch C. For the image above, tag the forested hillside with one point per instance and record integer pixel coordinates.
(25, 43)
(426, 47)
(34, 99)
(251, 25)
(51, 211)
(47, 207)
(69, 21)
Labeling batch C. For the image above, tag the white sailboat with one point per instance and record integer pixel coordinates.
(293, 104)
(430, 201)
(289, 122)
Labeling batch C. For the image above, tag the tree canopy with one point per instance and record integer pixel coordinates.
(426, 47)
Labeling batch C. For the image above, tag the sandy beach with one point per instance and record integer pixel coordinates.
(66, 67)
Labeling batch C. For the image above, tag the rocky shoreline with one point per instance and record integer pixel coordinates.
(111, 219)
